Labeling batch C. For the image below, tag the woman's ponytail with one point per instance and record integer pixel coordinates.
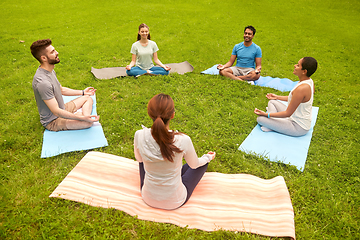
(161, 109)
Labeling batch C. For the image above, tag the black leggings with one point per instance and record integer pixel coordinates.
(190, 177)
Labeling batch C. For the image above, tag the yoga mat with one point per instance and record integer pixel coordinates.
(55, 143)
(234, 202)
(281, 84)
(113, 72)
(280, 147)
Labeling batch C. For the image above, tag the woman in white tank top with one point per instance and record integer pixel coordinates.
(295, 118)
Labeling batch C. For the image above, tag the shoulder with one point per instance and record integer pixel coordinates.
(152, 43)
(302, 89)
(141, 131)
(139, 135)
(41, 72)
(182, 139)
(135, 44)
(40, 77)
(254, 45)
(239, 45)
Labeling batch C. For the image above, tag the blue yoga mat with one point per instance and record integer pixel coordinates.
(55, 143)
(281, 84)
(280, 147)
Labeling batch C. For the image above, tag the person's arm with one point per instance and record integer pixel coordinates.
(191, 157)
(136, 151)
(53, 105)
(72, 92)
(298, 96)
(258, 65)
(272, 96)
(132, 63)
(228, 64)
(158, 62)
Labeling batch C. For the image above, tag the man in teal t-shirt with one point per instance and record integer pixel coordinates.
(248, 59)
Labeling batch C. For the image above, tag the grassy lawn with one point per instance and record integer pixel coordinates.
(215, 112)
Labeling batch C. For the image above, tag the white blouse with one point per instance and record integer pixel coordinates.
(163, 187)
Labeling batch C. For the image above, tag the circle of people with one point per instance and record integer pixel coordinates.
(164, 181)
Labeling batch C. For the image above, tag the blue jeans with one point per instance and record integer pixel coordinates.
(135, 71)
(190, 177)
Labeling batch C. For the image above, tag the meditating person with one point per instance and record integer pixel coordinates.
(143, 51)
(294, 119)
(54, 114)
(248, 59)
(164, 182)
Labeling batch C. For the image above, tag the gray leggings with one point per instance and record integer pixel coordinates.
(282, 125)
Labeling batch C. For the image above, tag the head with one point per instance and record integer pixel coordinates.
(249, 33)
(143, 30)
(305, 67)
(161, 111)
(309, 64)
(43, 51)
(251, 28)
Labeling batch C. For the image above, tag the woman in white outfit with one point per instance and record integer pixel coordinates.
(164, 181)
(294, 119)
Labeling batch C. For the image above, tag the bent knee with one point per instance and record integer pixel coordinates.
(257, 76)
(253, 76)
(225, 70)
(272, 101)
(260, 119)
(87, 124)
(87, 98)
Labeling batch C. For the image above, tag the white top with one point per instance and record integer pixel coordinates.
(303, 112)
(144, 54)
(163, 187)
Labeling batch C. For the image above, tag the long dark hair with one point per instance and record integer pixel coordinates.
(143, 25)
(161, 109)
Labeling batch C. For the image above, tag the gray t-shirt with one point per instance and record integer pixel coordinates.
(144, 54)
(46, 86)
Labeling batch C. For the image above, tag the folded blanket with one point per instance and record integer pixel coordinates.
(113, 72)
(281, 84)
(280, 147)
(234, 202)
(55, 143)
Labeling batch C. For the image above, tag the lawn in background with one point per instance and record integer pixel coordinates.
(215, 112)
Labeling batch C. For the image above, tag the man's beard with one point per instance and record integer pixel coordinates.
(53, 61)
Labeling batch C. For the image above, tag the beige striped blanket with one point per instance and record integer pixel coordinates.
(234, 202)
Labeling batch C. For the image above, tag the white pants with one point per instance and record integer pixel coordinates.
(282, 125)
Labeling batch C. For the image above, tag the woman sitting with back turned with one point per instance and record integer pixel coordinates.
(143, 51)
(294, 119)
(164, 182)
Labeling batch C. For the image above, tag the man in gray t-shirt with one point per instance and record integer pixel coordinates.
(54, 114)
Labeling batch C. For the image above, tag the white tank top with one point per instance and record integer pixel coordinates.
(303, 112)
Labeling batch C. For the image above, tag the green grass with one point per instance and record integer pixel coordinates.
(217, 113)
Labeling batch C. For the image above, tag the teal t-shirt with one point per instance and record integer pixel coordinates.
(245, 56)
(144, 54)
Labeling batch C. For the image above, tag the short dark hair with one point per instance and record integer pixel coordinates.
(38, 47)
(251, 28)
(310, 64)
